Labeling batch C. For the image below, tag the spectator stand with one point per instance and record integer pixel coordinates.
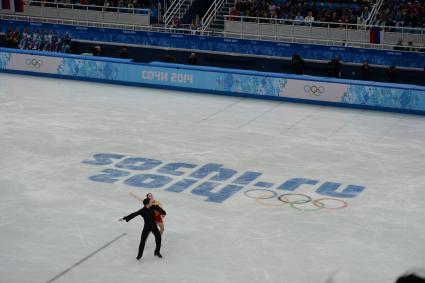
(282, 28)
(323, 33)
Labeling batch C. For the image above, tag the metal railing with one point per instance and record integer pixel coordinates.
(373, 14)
(259, 34)
(172, 11)
(211, 14)
(89, 23)
(329, 33)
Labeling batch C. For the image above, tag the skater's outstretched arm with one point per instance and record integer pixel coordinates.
(131, 216)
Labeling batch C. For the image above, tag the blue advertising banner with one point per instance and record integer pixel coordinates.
(391, 97)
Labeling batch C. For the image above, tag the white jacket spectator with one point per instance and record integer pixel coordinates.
(309, 19)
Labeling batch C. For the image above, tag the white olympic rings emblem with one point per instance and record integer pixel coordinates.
(36, 63)
(296, 201)
(314, 90)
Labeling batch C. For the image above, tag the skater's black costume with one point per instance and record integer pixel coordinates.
(150, 226)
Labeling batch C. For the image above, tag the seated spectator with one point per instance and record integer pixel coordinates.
(381, 21)
(299, 19)
(365, 14)
(169, 59)
(97, 51)
(175, 23)
(410, 46)
(399, 45)
(297, 64)
(234, 15)
(392, 74)
(192, 60)
(334, 67)
(154, 11)
(196, 24)
(365, 71)
(124, 53)
(309, 19)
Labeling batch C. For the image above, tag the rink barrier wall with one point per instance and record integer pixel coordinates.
(228, 45)
(306, 89)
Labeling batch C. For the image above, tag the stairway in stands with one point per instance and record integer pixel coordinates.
(199, 7)
(218, 23)
(184, 8)
(177, 9)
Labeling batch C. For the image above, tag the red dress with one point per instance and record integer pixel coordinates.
(158, 216)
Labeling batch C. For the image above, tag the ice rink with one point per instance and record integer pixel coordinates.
(254, 190)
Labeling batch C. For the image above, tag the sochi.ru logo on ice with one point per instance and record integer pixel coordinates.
(210, 180)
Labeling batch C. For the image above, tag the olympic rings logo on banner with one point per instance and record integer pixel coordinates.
(34, 63)
(314, 90)
(296, 201)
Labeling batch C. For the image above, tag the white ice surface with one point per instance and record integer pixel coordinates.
(52, 216)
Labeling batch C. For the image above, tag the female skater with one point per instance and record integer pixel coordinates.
(158, 217)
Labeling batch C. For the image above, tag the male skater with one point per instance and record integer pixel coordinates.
(148, 214)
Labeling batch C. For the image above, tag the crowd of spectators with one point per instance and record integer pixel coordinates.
(393, 13)
(304, 11)
(402, 13)
(42, 40)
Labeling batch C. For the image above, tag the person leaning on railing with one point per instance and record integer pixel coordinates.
(309, 19)
(234, 15)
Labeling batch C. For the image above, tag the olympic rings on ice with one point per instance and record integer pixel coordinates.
(320, 201)
(284, 198)
(297, 201)
(262, 202)
(261, 196)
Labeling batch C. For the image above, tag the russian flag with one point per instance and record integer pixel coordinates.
(12, 5)
(376, 35)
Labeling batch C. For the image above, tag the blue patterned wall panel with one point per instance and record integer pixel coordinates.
(407, 98)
